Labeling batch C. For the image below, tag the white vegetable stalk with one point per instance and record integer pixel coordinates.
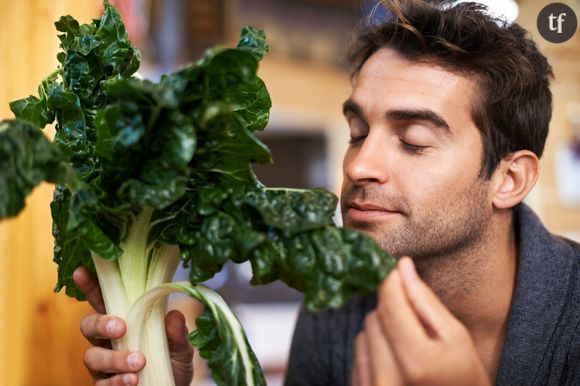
(210, 298)
(135, 288)
(125, 280)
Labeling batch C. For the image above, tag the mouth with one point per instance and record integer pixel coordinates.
(361, 212)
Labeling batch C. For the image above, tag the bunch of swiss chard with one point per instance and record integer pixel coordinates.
(150, 175)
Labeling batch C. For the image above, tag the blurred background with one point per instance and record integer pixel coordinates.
(40, 342)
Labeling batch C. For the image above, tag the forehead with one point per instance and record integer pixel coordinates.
(388, 80)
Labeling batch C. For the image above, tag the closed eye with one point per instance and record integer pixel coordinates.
(357, 139)
(414, 149)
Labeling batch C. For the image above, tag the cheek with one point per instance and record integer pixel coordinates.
(435, 183)
(420, 191)
(457, 167)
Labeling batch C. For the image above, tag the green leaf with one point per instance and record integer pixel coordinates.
(83, 215)
(110, 26)
(227, 68)
(251, 102)
(70, 251)
(71, 129)
(254, 41)
(145, 144)
(220, 339)
(328, 265)
(119, 130)
(34, 110)
(78, 76)
(87, 42)
(27, 158)
(70, 27)
(292, 211)
(78, 221)
(286, 234)
(227, 149)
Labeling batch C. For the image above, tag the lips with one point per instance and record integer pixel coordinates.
(367, 207)
(363, 211)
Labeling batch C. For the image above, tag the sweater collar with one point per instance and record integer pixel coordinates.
(543, 278)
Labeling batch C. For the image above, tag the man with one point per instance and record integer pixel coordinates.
(448, 116)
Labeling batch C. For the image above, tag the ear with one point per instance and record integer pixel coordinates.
(515, 176)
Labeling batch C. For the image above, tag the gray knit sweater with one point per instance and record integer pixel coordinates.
(542, 346)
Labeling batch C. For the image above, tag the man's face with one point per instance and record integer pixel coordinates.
(411, 172)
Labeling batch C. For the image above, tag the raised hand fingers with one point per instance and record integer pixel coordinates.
(385, 369)
(361, 372)
(400, 323)
(103, 362)
(430, 346)
(100, 329)
(431, 311)
(88, 284)
(177, 334)
(119, 380)
(374, 361)
(181, 352)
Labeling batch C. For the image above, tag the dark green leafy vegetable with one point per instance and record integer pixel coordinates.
(151, 173)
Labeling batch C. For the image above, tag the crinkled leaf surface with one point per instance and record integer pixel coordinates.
(26, 159)
(220, 340)
(215, 344)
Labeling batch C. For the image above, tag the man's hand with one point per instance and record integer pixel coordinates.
(111, 368)
(411, 338)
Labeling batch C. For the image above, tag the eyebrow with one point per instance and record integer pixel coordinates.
(425, 115)
(419, 115)
(351, 107)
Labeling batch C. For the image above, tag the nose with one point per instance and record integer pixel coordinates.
(367, 162)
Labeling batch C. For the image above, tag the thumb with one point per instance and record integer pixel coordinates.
(431, 311)
(180, 351)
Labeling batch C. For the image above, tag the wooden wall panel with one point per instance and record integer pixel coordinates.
(40, 343)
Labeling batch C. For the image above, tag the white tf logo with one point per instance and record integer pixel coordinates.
(559, 20)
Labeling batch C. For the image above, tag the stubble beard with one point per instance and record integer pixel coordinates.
(447, 230)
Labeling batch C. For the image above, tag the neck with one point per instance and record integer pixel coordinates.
(477, 286)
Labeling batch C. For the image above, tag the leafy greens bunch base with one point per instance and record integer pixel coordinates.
(151, 175)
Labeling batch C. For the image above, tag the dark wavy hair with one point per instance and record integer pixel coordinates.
(514, 104)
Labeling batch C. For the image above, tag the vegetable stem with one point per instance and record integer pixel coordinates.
(112, 288)
(133, 264)
(144, 309)
(150, 329)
